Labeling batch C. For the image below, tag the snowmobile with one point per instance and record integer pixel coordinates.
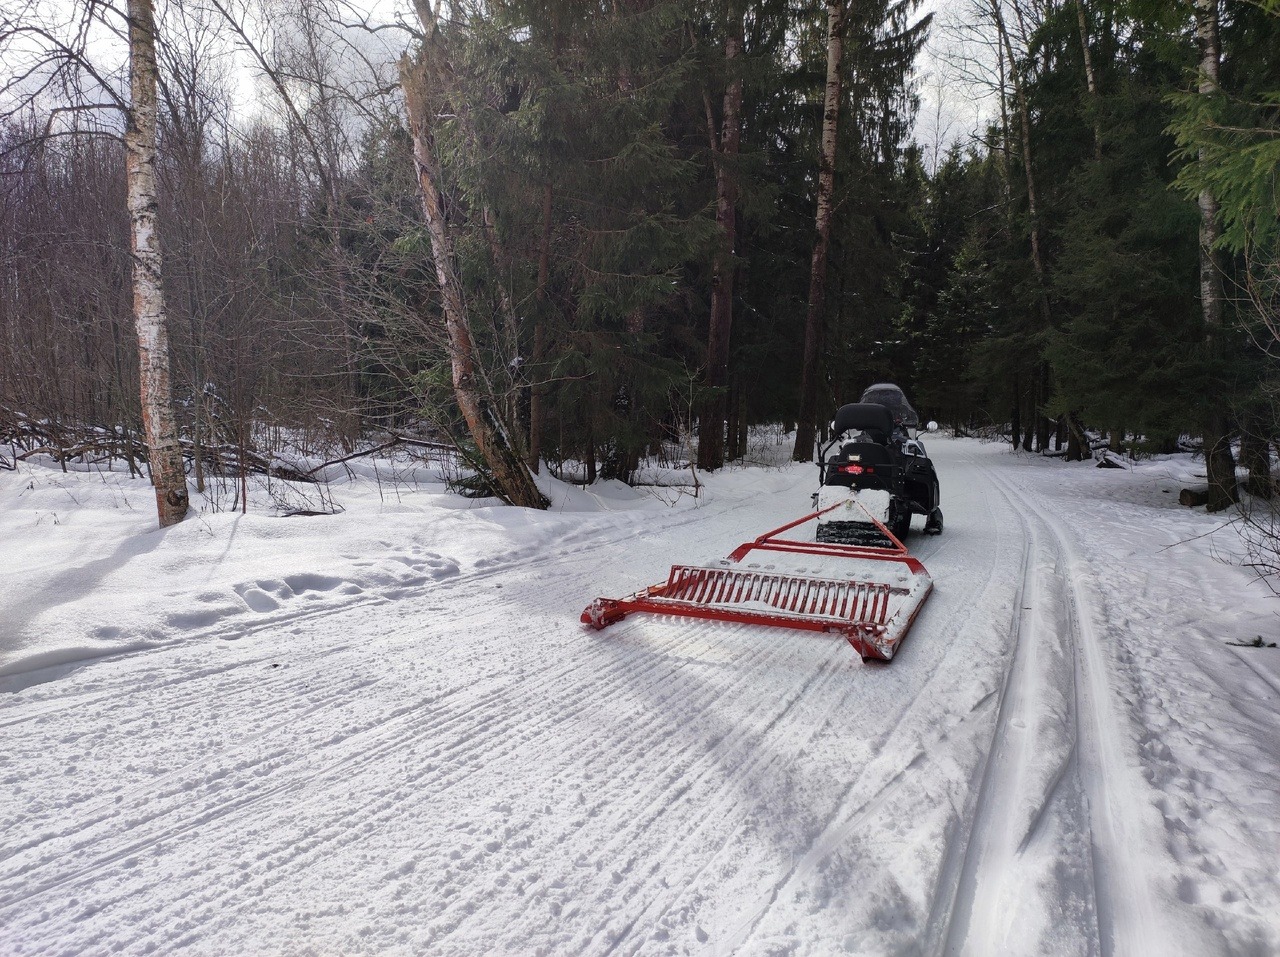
(876, 465)
(857, 579)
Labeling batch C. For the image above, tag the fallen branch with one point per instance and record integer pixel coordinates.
(393, 442)
(1256, 643)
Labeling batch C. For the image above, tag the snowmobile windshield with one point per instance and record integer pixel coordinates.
(891, 397)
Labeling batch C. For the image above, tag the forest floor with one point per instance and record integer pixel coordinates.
(386, 732)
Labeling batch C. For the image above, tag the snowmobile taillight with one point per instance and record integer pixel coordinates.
(854, 468)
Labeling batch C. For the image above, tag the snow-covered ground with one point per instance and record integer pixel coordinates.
(386, 731)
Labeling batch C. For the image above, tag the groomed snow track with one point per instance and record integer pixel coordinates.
(463, 769)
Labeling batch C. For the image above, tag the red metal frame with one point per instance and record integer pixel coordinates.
(858, 609)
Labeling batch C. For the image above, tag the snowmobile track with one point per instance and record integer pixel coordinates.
(1010, 798)
(861, 798)
(1088, 741)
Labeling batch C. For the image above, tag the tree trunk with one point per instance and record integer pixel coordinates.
(1255, 455)
(1219, 462)
(159, 423)
(1024, 118)
(1091, 79)
(509, 472)
(1015, 417)
(513, 352)
(1077, 445)
(537, 389)
(733, 451)
(725, 148)
(814, 331)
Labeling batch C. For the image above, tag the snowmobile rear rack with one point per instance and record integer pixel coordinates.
(869, 595)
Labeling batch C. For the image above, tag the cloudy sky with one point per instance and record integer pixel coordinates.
(954, 77)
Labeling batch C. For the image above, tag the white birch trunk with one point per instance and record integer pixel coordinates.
(159, 424)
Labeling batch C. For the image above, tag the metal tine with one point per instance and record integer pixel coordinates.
(870, 602)
(778, 594)
(817, 598)
(802, 595)
(786, 595)
(870, 597)
(823, 599)
(859, 610)
(882, 606)
(691, 584)
(688, 582)
(715, 587)
(830, 597)
(775, 589)
(809, 597)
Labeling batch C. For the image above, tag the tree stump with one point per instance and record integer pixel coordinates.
(1193, 497)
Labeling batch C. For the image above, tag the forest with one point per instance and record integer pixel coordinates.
(571, 236)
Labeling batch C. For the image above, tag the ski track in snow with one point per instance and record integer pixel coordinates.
(1062, 771)
(437, 758)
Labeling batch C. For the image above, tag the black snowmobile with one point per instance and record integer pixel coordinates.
(876, 458)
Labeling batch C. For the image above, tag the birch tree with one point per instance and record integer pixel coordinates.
(164, 451)
(58, 55)
(816, 315)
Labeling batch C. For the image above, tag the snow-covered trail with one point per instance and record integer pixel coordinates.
(443, 760)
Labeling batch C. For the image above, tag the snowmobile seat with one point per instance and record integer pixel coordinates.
(868, 417)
